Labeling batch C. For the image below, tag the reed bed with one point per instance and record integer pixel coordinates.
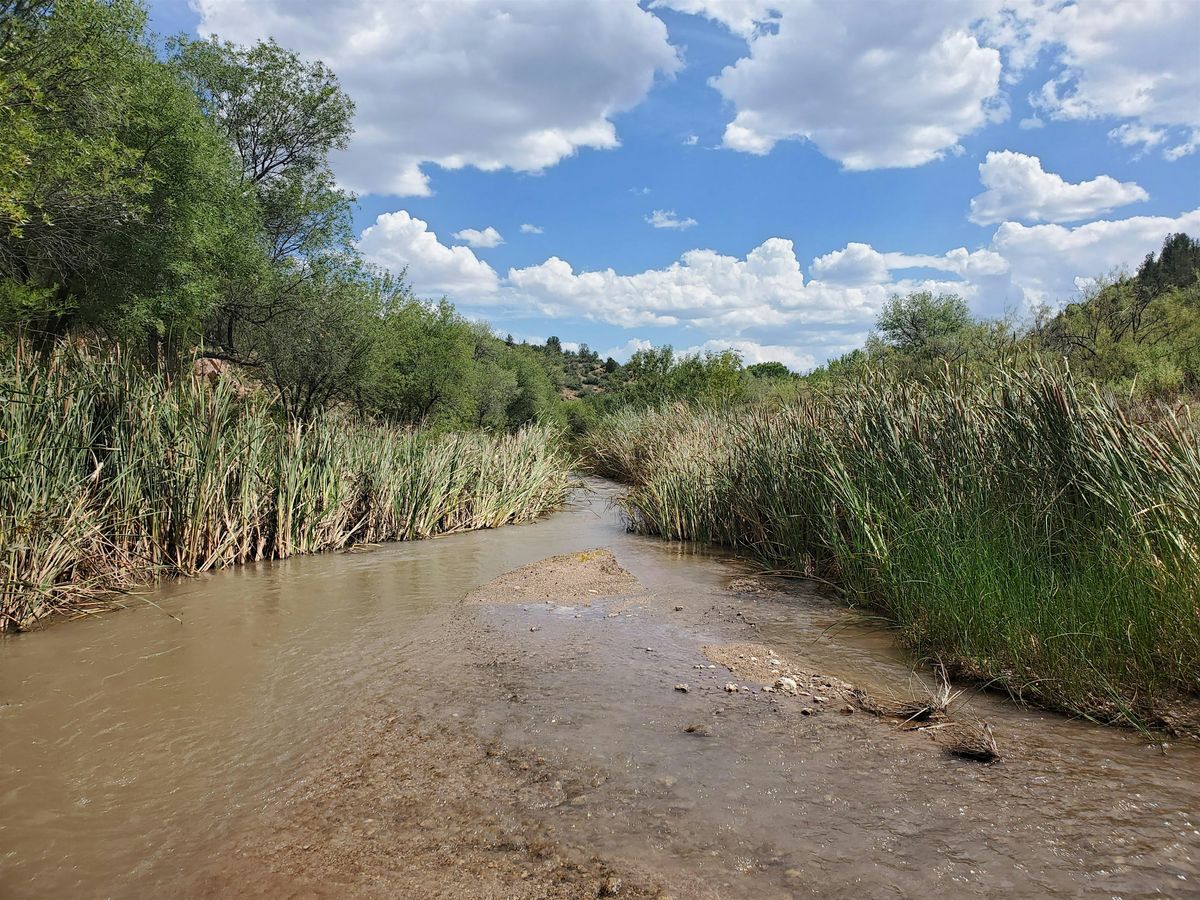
(1020, 527)
(110, 475)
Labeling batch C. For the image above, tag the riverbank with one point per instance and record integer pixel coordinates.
(111, 476)
(1025, 532)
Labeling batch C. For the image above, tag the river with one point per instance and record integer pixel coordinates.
(202, 744)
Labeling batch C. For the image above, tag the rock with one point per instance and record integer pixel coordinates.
(731, 687)
(535, 628)
(611, 887)
(806, 711)
(787, 685)
(847, 710)
(682, 688)
(679, 609)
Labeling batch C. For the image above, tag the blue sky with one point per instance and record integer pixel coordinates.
(827, 152)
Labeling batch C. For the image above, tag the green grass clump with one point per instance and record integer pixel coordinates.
(110, 475)
(1019, 527)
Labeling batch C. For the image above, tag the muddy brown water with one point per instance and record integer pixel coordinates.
(139, 755)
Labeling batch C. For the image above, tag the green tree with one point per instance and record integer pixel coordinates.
(924, 325)
(325, 351)
(282, 117)
(117, 204)
(769, 370)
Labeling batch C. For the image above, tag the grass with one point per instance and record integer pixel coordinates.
(110, 475)
(1020, 527)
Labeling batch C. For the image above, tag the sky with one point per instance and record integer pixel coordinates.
(753, 174)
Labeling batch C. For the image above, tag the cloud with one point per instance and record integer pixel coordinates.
(1031, 123)
(398, 241)
(1018, 188)
(494, 84)
(622, 352)
(901, 86)
(861, 265)
(753, 352)
(666, 218)
(1048, 263)
(1134, 61)
(761, 292)
(896, 88)
(531, 229)
(1132, 134)
(763, 298)
(489, 237)
(691, 140)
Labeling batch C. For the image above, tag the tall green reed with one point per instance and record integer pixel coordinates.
(110, 475)
(1019, 526)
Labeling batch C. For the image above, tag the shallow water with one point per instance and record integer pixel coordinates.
(132, 744)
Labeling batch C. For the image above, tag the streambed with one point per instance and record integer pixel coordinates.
(344, 725)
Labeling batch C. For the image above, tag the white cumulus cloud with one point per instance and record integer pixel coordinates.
(1134, 61)
(531, 229)
(489, 237)
(1019, 189)
(399, 241)
(895, 86)
(1049, 262)
(753, 352)
(622, 352)
(764, 299)
(494, 84)
(666, 218)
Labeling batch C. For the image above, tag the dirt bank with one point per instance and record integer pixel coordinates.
(567, 579)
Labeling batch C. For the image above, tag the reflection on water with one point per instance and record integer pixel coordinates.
(129, 742)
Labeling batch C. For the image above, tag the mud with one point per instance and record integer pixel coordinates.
(570, 578)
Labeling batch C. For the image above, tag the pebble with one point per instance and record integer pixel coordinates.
(787, 684)
(806, 711)
(679, 609)
(682, 688)
(534, 628)
(731, 687)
